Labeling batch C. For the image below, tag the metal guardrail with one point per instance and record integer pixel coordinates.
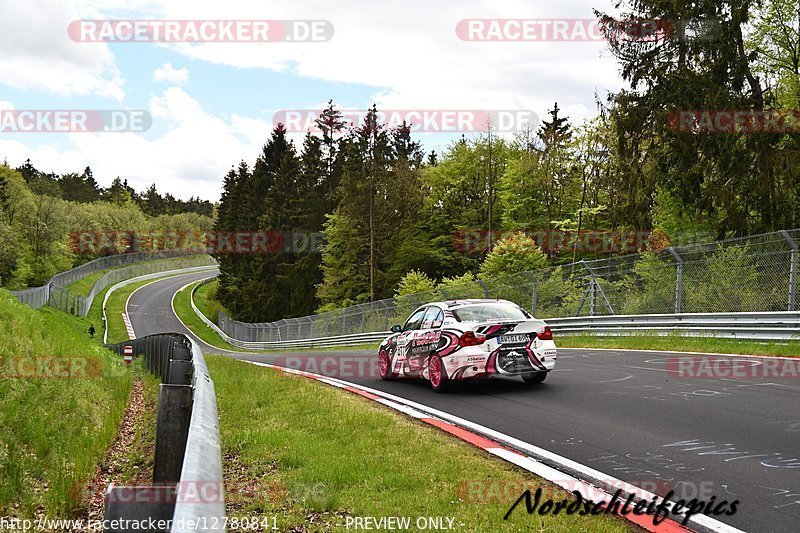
(188, 458)
(56, 293)
(781, 325)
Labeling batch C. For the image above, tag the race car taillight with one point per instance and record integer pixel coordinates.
(470, 339)
(545, 334)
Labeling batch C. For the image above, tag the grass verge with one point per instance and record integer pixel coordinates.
(313, 455)
(62, 397)
(205, 299)
(183, 308)
(682, 344)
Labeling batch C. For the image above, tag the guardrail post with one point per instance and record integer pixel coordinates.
(172, 429)
(678, 279)
(792, 270)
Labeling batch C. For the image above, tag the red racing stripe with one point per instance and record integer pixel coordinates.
(463, 434)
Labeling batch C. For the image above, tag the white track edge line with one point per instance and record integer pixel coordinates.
(706, 522)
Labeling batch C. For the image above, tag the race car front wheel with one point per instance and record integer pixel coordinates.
(437, 374)
(385, 366)
(535, 378)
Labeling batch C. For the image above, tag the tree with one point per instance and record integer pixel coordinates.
(735, 179)
(553, 176)
(775, 41)
(28, 171)
(414, 282)
(513, 254)
(9, 253)
(4, 195)
(151, 202)
(119, 193)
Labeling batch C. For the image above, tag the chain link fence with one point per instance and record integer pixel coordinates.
(757, 273)
(56, 293)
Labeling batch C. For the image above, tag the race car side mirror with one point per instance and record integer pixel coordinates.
(396, 329)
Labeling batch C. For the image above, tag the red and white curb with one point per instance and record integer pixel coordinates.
(593, 485)
(128, 326)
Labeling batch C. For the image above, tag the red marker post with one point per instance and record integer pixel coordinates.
(128, 354)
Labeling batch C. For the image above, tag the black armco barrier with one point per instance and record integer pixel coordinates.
(187, 452)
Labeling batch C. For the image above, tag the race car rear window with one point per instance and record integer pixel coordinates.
(494, 311)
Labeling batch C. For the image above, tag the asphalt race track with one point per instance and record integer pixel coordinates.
(619, 412)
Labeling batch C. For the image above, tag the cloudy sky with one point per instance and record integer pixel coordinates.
(212, 104)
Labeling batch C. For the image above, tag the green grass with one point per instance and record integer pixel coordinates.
(682, 344)
(311, 451)
(205, 299)
(183, 308)
(84, 285)
(53, 431)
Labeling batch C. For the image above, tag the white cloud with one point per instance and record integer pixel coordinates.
(411, 52)
(191, 159)
(170, 74)
(37, 54)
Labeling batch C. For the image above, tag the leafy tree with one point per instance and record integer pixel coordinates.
(415, 282)
(728, 282)
(733, 179)
(4, 194)
(513, 254)
(119, 193)
(775, 41)
(646, 288)
(344, 280)
(9, 253)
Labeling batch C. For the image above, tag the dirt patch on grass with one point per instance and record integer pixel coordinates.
(122, 464)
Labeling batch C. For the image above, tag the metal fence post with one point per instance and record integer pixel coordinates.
(792, 270)
(678, 279)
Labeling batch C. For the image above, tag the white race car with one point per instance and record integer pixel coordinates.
(468, 339)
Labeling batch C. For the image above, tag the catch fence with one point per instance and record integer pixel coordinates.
(752, 274)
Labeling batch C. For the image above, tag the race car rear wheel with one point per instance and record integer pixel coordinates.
(385, 366)
(437, 374)
(535, 378)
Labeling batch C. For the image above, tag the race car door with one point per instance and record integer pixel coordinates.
(406, 339)
(425, 339)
